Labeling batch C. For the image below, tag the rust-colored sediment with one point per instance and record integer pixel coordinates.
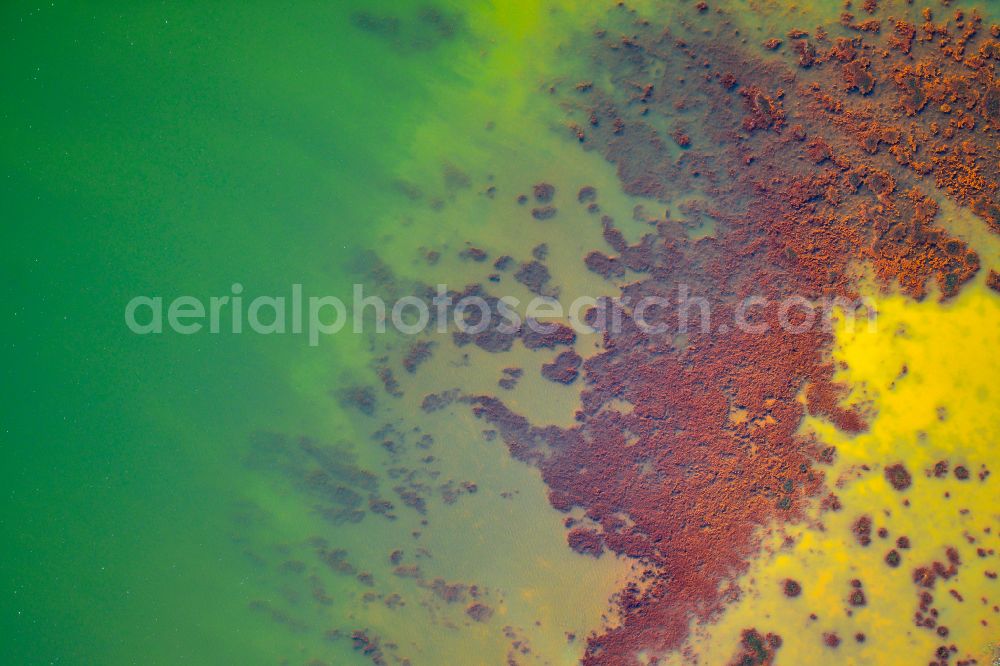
(811, 159)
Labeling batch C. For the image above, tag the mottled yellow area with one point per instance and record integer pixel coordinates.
(928, 374)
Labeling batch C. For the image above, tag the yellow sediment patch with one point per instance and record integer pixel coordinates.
(929, 372)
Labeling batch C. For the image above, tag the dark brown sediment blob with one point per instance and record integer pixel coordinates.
(503, 263)
(993, 281)
(862, 529)
(361, 398)
(474, 254)
(542, 213)
(585, 542)
(547, 335)
(367, 645)
(419, 352)
(479, 612)
(604, 265)
(898, 476)
(564, 369)
(433, 402)
(535, 276)
(544, 192)
(510, 377)
(857, 597)
(756, 649)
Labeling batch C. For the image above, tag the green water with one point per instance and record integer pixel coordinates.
(177, 149)
(154, 151)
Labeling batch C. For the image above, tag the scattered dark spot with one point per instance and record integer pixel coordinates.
(544, 192)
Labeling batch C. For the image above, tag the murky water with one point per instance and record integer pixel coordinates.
(160, 506)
